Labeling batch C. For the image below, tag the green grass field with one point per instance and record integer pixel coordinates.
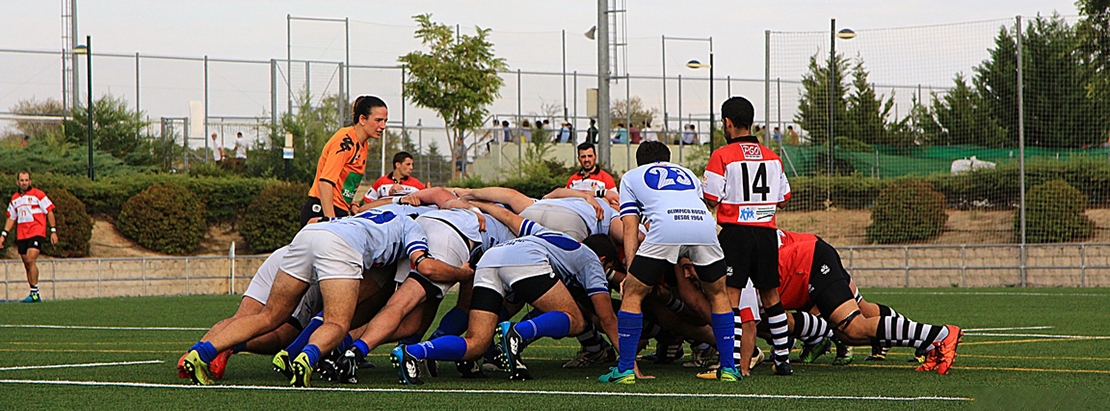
(1012, 369)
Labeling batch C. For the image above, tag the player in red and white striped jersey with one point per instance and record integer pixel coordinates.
(745, 181)
(31, 210)
(398, 183)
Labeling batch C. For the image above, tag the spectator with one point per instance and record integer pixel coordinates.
(526, 131)
(791, 135)
(505, 129)
(689, 135)
(634, 134)
(240, 146)
(26, 141)
(776, 136)
(564, 133)
(217, 150)
(648, 133)
(31, 209)
(621, 137)
(591, 133)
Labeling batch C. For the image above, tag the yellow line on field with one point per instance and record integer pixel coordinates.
(92, 351)
(976, 367)
(1027, 357)
(97, 343)
(1032, 340)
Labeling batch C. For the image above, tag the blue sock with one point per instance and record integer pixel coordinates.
(723, 332)
(629, 326)
(239, 348)
(361, 347)
(347, 343)
(298, 344)
(206, 350)
(554, 324)
(452, 323)
(313, 353)
(446, 348)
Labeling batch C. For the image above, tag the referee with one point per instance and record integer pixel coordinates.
(30, 209)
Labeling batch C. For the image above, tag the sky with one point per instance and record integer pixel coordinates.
(526, 33)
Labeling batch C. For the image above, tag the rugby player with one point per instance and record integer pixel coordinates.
(669, 197)
(525, 270)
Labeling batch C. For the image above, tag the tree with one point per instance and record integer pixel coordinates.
(38, 128)
(1058, 109)
(457, 78)
(866, 111)
(813, 106)
(311, 126)
(960, 116)
(1093, 31)
(117, 130)
(639, 114)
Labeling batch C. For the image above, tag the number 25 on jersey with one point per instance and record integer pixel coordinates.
(668, 178)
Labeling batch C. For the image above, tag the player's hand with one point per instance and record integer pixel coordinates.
(463, 193)
(2, 242)
(53, 238)
(640, 375)
(394, 189)
(469, 271)
(355, 208)
(597, 207)
(481, 220)
(410, 200)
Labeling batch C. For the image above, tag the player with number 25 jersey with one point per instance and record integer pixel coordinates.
(669, 198)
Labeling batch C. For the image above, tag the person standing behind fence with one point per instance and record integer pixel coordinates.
(31, 209)
(526, 131)
(240, 146)
(591, 133)
(647, 133)
(343, 161)
(217, 150)
(689, 135)
(507, 131)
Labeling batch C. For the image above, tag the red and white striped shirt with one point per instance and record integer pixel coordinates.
(29, 210)
(747, 181)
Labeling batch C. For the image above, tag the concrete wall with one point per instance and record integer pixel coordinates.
(1048, 265)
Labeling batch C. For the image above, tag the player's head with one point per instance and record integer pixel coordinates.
(587, 156)
(505, 123)
(652, 151)
(402, 163)
(369, 113)
(603, 246)
(738, 114)
(213, 136)
(23, 179)
(239, 134)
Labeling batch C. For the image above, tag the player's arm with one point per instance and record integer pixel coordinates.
(713, 187)
(506, 217)
(7, 228)
(53, 227)
(507, 196)
(435, 195)
(631, 239)
(569, 193)
(440, 271)
(603, 307)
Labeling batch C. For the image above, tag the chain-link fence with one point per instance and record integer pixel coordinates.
(985, 111)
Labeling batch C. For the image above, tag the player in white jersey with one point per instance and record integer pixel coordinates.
(572, 212)
(668, 196)
(525, 270)
(334, 255)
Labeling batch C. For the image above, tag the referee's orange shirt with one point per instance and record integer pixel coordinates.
(342, 163)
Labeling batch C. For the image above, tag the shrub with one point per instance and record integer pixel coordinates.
(271, 219)
(907, 210)
(74, 226)
(1053, 214)
(850, 192)
(164, 218)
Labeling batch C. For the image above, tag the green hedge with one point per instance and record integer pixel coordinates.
(226, 198)
(74, 226)
(907, 210)
(852, 192)
(1054, 214)
(272, 219)
(166, 218)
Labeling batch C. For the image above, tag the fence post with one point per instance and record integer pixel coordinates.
(963, 265)
(7, 286)
(906, 263)
(98, 287)
(187, 290)
(231, 282)
(1021, 145)
(53, 279)
(144, 276)
(1083, 265)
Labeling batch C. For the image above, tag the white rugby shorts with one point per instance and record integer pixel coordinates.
(699, 255)
(320, 255)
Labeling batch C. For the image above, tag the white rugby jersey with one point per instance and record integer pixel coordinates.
(574, 263)
(586, 211)
(382, 237)
(669, 196)
(408, 210)
(463, 220)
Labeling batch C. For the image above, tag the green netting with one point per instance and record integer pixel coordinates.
(892, 162)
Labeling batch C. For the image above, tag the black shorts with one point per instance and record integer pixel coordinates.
(33, 242)
(649, 270)
(751, 253)
(828, 281)
(527, 290)
(312, 209)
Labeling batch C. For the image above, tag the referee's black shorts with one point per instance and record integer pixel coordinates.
(751, 252)
(312, 209)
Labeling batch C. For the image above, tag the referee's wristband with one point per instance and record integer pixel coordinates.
(4, 233)
(53, 229)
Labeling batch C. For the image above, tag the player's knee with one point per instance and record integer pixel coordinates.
(577, 324)
(476, 348)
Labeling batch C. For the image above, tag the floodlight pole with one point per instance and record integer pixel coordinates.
(832, 90)
(604, 125)
(89, 104)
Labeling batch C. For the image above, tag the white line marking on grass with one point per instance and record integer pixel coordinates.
(503, 392)
(976, 330)
(988, 293)
(90, 327)
(1065, 337)
(80, 365)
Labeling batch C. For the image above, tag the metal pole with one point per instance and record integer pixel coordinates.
(89, 102)
(832, 88)
(73, 56)
(138, 110)
(681, 127)
(308, 82)
(404, 123)
(603, 123)
(520, 141)
(565, 110)
(345, 102)
(420, 144)
(767, 81)
(628, 117)
(288, 62)
(1021, 144)
(575, 134)
(273, 93)
(206, 109)
(712, 119)
(663, 131)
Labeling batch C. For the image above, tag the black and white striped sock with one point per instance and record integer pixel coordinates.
(590, 339)
(903, 332)
(810, 328)
(738, 332)
(780, 332)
